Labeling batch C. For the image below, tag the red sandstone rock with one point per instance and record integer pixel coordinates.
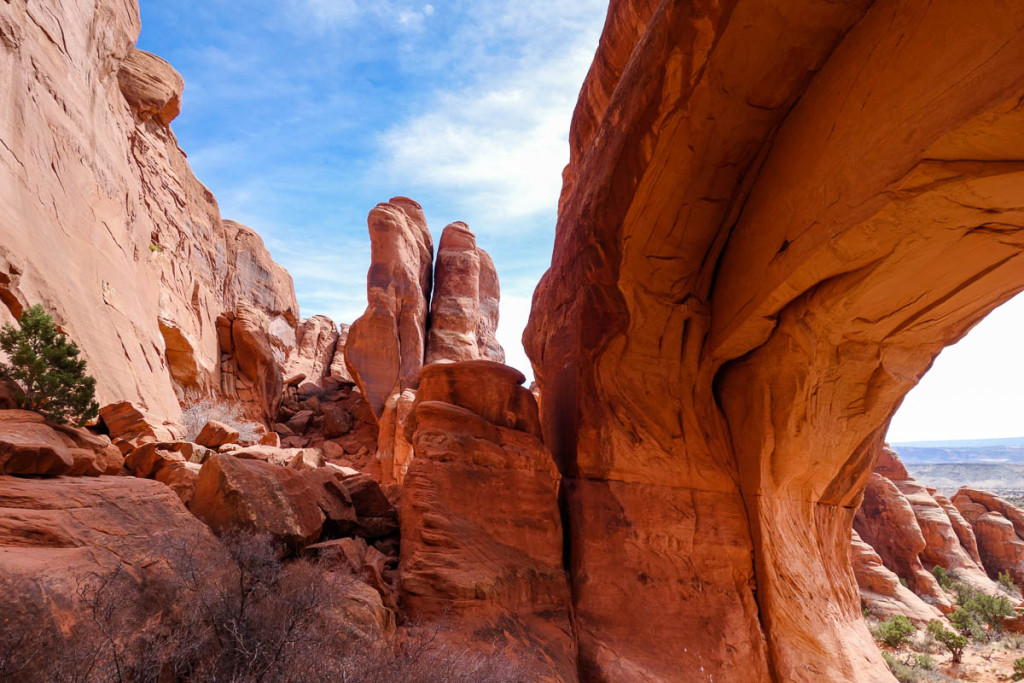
(962, 527)
(464, 308)
(137, 262)
(292, 506)
(386, 345)
(147, 460)
(481, 531)
(394, 451)
(881, 589)
(746, 281)
(316, 340)
(215, 434)
(58, 537)
(180, 477)
(999, 529)
(942, 545)
(130, 426)
(339, 368)
(886, 521)
(152, 87)
(30, 447)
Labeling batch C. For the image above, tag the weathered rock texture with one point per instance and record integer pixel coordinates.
(886, 521)
(881, 590)
(61, 537)
(464, 310)
(999, 529)
(761, 246)
(481, 534)
(386, 345)
(137, 263)
(385, 348)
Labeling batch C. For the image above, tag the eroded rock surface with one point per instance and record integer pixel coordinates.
(464, 309)
(386, 345)
(748, 276)
(481, 534)
(137, 263)
(999, 529)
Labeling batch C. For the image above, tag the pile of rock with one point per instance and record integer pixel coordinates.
(903, 531)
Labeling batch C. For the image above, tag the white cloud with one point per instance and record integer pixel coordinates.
(330, 14)
(498, 146)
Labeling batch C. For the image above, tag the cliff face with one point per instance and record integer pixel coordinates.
(761, 246)
(101, 219)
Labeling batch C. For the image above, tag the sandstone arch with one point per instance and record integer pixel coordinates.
(774, 218)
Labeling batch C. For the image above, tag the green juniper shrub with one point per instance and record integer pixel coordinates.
(966, 622)
(954, 642)
(896, 631)
(1018, 670)
(1006, 581)
(989, 609)
(942, 576)
(47, 369)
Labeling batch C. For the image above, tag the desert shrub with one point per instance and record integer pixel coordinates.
(954, 642)
(988, 609)
(201, 409)
(265, 619)
(943, 577)
(1006, 581)
(1018, 670)
(903, 672)
(47, 369)
(966, 622)
(896, 631)
(923, 662)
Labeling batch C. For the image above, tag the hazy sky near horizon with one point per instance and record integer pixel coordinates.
(301, 115)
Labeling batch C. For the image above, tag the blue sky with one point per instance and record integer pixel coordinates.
(301, 115)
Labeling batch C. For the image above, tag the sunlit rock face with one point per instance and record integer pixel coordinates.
(419, 312)
(101, 219)
(761, 246)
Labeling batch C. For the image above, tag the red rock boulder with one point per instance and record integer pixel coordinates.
(290, 505)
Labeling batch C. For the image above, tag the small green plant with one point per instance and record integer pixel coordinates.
(896, 631)
(155, 248)
(901, 671)
(903, 582)
(923, 662)
(47, 369)
(1006, 581)
(1018, 670)
(943, 577)
(954, 642)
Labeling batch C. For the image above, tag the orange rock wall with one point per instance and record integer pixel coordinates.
(762, 244)
(101, 219)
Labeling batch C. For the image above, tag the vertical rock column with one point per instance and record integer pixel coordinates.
(387, 344)
(481, 531)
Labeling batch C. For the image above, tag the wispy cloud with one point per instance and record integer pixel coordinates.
(497, 145)
(331, 14)
(302, 115)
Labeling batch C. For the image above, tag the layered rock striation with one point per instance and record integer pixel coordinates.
(761, 247)
(137, 263)
(481, 529)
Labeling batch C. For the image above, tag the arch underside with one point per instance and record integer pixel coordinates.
(775, 217)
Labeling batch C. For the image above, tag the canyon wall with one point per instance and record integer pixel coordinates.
(101, 219)
(762, 244)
